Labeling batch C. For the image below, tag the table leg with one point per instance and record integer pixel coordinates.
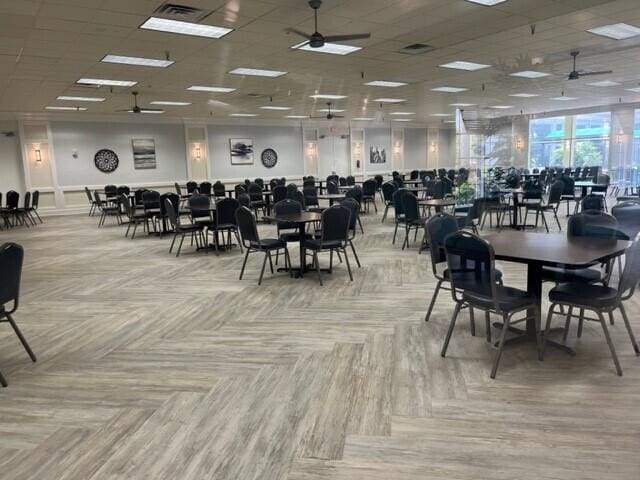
(303, 252)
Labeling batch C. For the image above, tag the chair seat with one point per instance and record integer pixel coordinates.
(293, 236)
(589, 295)
(226, 226)
(509, 299)
(316, 244)
(257, 203)
(190, 227)
(468, 275)
(269, 244)
(578, 275)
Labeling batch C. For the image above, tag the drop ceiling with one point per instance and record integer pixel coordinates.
(47, 45)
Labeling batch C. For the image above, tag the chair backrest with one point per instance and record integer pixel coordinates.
(555, 192)
(471, 264)
(218, 189)
(205, 188)
(310, 195)
(247, 226)
(226, 211)
(354, 208)
(35, 199)
(178, 188)
(332, 188)
(291, 189)
(244, 199)
(628, 216)
(174, 218)
(594, 224)
(414, 174)
(239, 189)
(309, 182)
(531, 191)
(410, 207)
(199, 206)
(123, 189)
(128, 209)
(255, 192)
(191, 186)
(388, 189)
(592, 202)
(11, 258)
(351, 180)
(342, 181)
(569, 185)
(27, 201)
(259, 181)
(379, 181)
(110, 190)
(173, 198)
(279, 193)
(355, 193)
(287, 206)
(87, 192)
(273, 183)
(437, 228)
(13, 198)
(335, 224)
(439, 188)
(397, 201)
(631, 274)
(369, 188)
(298, 196)
(333, 178)
(138, 195)
(150, 199)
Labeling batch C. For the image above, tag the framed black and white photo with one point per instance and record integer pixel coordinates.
(144, 153)
(241, 151)
(377, 155)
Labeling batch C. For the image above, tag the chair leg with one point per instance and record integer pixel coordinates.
(580, 322)
(452, 324)
(629, 330)
(384, 215)
(180, 244)
(360, 223)
(244, 264)
(567, 323)
(544, 221)
(287, 260)
(395, 232)
(555, 214)
(353, 249)
(503, 336)
(547, 329)
(612, 349)
(3, 382)
(21, 337)
(611, 321)
(270, 262)
(406, 236)
(317, 262)
(433, 301)
(472, 322)
(487, 322)
(346, 259)
(126, 234)
(264, 264)
(238, 240)
(330, 261)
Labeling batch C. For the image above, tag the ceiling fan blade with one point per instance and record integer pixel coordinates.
(344, 38)
(603, 72)
(298, 32)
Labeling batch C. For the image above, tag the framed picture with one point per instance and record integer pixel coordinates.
(377, 155)
(241, 151)
(144, 153)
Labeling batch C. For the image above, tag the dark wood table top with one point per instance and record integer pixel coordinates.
(437, 202)
(553, 249)
(331, 196)
(303, 217)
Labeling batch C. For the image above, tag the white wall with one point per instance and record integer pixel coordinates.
(89, 137)
(11, 170)
(415, 148)
(381, 138)
(286, 141)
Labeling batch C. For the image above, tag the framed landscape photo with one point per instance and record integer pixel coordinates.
(241, 150)
(144, 153)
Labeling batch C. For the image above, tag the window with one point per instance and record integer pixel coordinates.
(547, 142)
(590, 145)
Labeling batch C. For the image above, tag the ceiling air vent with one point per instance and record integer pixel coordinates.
(184, 13)
(416, 49)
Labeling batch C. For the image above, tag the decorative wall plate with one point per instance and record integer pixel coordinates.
(269, 158)
(106, 160)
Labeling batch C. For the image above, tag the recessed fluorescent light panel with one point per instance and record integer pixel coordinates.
(449, 89)
(297, 116)
(634, 89)
(109, 83)
(257, 72)
(604, 83)
(148, 111)
(327, 96)
(462, 104)
(530, 74)
(80, 99)
(243, 115)
(203, 88)
(469, 66)
(363, 119)
(170, 103)
(402, 113)
(390, 100)
(400, 119)
(501, 107)
(564, 99)
(385, 83)
(143, 62)
(270, 107)
(617, 31)
(488, 3)
(332, 48)
(441, 114)
(524, 95)
(333, 110)
(75, 109)
(184, 28)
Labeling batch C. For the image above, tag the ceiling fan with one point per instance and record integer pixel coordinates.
(316, 39)
(577, 74)
(137, 109)
(329, 116)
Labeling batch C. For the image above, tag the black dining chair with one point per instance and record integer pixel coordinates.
(310, 194)
(356, 193)
(183, 197)
(244, 200)
(253, 243)
(225, 221)
(414, 174)
(628, 216)
(569, 192)
(239, 189)
(369, 194)
(279, 193)
(218, 190)
(182, 229)
(601, 300)
(552, 205)
(292, 188)
(412, 218)
(354, 208)
(192, 187)
(342, 181)
(12, 205)
(388, 189)
(33, 209)
(135, 217)
(333, 188)
(592, 202)
(111, 193)
(200, 210)
(351, 181)
(471, 263)
(93, 206)
(205, 188)
(107, 209)
(398, 210)
(11, 260)
(22, 213)
(334, 237)
(257, 198)
(532, 200)
(151, 208)
(603, 180)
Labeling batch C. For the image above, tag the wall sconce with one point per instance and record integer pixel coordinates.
(311, 149)
(397, 147)
(357, 149)
(198, 153)
(38, 155)
(434, 147)
(519, 144)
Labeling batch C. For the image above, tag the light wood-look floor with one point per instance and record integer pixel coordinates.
(157, 367)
